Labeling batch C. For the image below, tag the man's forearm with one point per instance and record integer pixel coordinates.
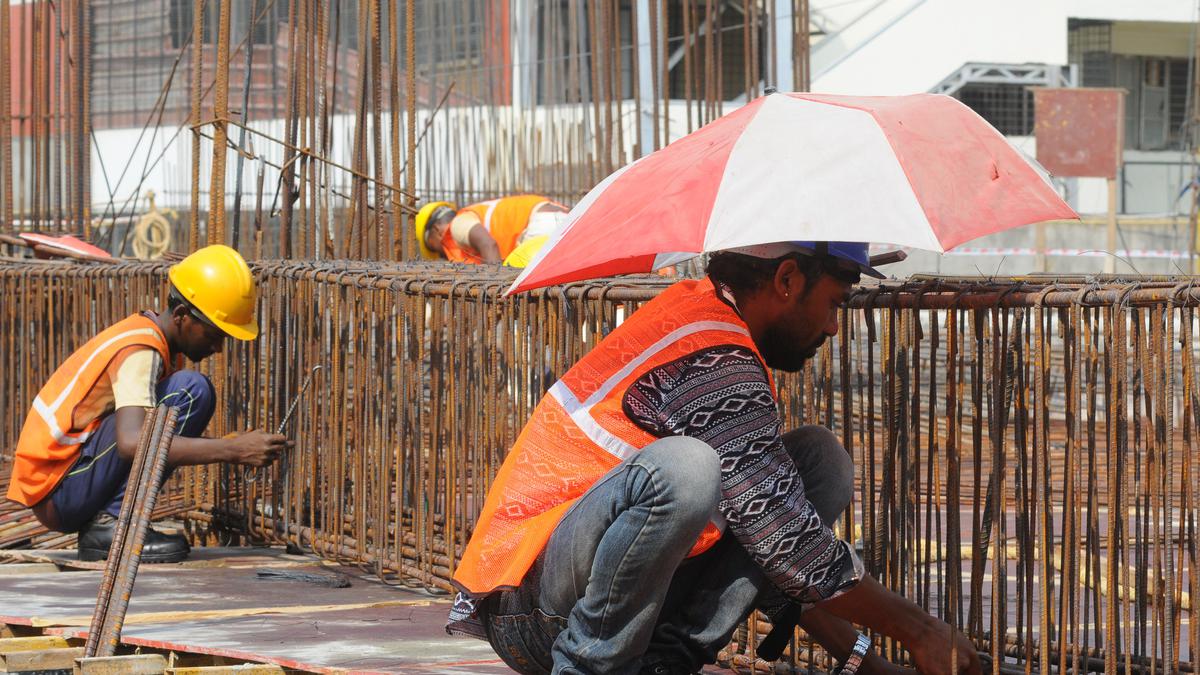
(184, 451)
(870, 604)
(253, 448)
(481, 240)
(838, 636)
(192, 451)
(835, 634)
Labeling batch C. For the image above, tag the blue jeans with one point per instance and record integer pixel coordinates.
(96, 482)
(613, 592)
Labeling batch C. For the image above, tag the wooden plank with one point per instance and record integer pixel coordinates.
(136, 664)
(40, 660)
(11, 630)
(28, 644)
(27, 568)
(242, 669)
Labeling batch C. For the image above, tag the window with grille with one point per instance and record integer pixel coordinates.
(1008, 107)
(1156, 87)
(449, 34)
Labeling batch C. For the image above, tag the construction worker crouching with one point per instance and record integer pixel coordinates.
(507, 230)
(653, 500)
(76, 448)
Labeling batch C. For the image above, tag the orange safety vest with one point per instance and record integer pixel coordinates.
(579, 431)
(505, 219)
(50, 440)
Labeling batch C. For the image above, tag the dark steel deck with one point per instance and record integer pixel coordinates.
(214, 604)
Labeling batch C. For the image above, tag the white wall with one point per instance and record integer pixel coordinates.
(938, 36)
(522, 142)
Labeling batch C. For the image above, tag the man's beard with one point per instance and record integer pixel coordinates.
(783, 351)
(197, 355)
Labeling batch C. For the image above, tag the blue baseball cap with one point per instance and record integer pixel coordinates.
(855, 254)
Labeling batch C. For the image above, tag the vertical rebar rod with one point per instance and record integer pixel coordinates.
(197, 96)
(216, 191)
(6, 119)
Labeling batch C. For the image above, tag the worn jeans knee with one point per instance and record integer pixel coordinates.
(193, 395)
(609, 562)
(687, 474)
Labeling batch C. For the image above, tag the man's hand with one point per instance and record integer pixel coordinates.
(257, 448)
(927, 638)
(932, 652)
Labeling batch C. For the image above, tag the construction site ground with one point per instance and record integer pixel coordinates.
(215, 605)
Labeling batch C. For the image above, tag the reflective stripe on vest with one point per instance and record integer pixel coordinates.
(487, 217)
(50, 438)
(581, 412)
(48, 412)
(579, 431)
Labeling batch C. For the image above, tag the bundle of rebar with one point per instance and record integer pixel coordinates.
(129, 532)
(1025, 447)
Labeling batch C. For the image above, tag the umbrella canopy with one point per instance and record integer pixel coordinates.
(922, 171)
(64, 242)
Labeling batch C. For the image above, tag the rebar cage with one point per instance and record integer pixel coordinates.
(1024, 447)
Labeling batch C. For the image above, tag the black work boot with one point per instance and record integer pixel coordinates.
(96, 538)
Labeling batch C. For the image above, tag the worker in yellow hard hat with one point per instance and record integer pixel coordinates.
(75, 450)
(488, 232)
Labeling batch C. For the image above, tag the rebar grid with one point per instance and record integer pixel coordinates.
(45, 129)
(1025, 448)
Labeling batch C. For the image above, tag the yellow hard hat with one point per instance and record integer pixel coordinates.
(216, 280)
(422, 220)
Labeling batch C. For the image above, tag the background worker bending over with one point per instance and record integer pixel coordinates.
(76, 448)
(508, 229)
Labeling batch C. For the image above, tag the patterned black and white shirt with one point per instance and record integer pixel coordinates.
(722, 396)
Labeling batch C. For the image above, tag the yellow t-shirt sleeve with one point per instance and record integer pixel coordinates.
(136, 378)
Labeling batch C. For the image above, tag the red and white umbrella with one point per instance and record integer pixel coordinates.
(921, 171)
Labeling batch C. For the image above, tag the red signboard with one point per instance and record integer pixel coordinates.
(1080, 132)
